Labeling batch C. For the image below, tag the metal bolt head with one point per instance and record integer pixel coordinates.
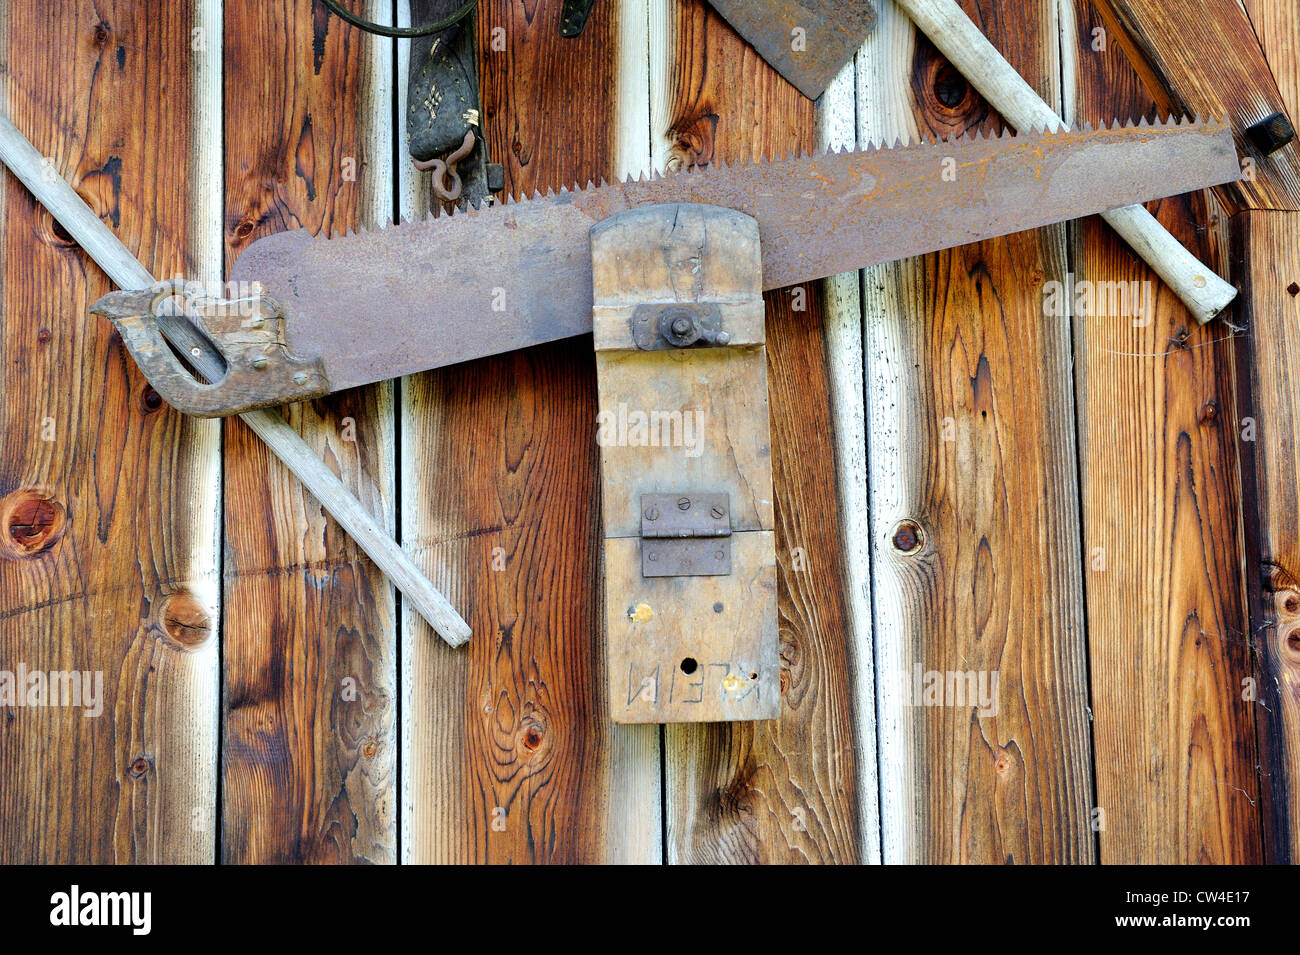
(683, 504)
(260, 362)
(1270, 134)
(652, 513)
(680, 327)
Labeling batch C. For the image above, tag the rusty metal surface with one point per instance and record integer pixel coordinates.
(806, 41)
(447, 289)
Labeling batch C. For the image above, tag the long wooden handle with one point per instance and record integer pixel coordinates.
(54, 193)
(943, 21)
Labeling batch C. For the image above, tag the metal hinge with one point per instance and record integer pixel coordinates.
(685, 535)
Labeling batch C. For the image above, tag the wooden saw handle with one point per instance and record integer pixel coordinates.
(943, 21)
(108, 252)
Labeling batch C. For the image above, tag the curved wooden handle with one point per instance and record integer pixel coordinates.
(249, 336)
(1203, 292)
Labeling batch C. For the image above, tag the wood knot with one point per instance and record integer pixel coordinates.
(693, 140)
(1293, 289)
(140, 767)
(150, 400)
(32, 523)
(907, 537)
(51, 231)
(1293, 641)
(101, 34)
(1210, 411)
(44, 336)
(185, 621)
(532, 735)
(370, 748)
(951, 104)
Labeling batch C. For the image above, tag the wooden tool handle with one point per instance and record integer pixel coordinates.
(54, 193)
(943, 21)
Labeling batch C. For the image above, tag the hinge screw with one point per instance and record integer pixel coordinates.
(259, 362)
(300, 378)
(717, 512)
(652, 556)
(684, 504)
(652, 513)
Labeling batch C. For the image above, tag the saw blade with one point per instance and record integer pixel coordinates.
(406, 298)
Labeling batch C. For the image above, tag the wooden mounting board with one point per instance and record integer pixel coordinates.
(685, 648)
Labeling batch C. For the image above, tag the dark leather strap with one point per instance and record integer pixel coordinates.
(574, 15)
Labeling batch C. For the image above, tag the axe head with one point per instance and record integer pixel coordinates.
(806, 41)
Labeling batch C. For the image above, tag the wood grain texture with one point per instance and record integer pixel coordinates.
(108, 498)
(973, 500)
(1203, 57)
(309, 708)
(1158, 445)
(784, 790)
(509, 751)
(1268, 247)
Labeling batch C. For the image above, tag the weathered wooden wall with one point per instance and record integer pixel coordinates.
(1175, 761)
(108, 498)
(309, 707)
(963, 482)
(1268, 268)
(510, 753)
(974, 498)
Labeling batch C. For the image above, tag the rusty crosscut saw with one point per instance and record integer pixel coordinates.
(668, 272)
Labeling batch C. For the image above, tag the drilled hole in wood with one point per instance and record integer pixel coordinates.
(689, 665)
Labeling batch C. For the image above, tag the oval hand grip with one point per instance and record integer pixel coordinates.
(260, 370)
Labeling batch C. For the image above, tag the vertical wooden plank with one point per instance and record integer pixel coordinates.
(510, 752)
(1268, 247)
(309, 708)
(1158, 439)
(973, 500)
(108, 499)
(837, 129)
(1277, 25)
(786, 790)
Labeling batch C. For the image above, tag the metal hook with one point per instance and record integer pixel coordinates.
(441, 168)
